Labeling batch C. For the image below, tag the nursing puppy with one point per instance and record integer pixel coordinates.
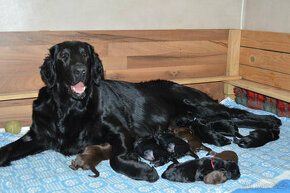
(215, 177)
(193, 141)
(226, 155)
(257, 138)
(196, 170)
(224, 127)
(91, 157)
(176, 147)
(148, 149)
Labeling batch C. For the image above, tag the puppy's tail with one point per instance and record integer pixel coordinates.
(95, 172)
(192, 154)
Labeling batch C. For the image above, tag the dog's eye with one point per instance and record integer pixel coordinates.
(63, 55)
(84, 54)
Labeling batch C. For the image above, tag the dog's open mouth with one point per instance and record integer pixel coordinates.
(78, 89)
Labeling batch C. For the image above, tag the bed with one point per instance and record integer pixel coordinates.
(214, 61)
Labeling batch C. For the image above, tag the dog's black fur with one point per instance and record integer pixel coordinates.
(224, 127)
(175, 146)
(77, 108)
(196, 170)
(147, 148)
(257, 138)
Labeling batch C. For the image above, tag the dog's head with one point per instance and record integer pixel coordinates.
(72, 66)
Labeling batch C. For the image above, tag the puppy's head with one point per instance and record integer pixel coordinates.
(231, 170)
(215, 177)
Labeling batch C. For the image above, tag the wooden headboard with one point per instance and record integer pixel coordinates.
(198, 58)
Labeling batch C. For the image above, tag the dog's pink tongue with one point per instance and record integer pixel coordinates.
(78, 88)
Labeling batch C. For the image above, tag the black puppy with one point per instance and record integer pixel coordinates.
(206, 134)
(176, 147)
(224, 127)
(257, 138)
(196, 170)
(148, 149)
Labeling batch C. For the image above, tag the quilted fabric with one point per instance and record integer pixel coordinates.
(260, 167)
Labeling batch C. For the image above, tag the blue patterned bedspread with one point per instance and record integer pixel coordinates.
(49, 171)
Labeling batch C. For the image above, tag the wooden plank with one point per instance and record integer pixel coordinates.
(271, 78)
(114, 63)
(205, 79)
(270, 91)
(16, 96)
(54, 37)
(168, 73)
(20, 83)
(34, 94)
(275, 61)
(213, 89)
(20, 110)
(233, 55)
(165, 61)
(266, 40)
(172, 48)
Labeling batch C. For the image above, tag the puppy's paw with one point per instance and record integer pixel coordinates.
(151, 175)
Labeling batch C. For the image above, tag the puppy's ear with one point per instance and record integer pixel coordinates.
(97, 70)
(47, 70)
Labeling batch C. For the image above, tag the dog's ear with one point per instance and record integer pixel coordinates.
(97, 70)
(47, 70)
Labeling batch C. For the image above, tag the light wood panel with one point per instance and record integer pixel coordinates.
(266, 40)
(267, 77)
(173, 72)
(134, 55)
(233, 55)
(172, 48)
(166, 61)
(275, 61)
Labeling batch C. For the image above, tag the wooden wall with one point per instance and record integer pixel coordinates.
(136, 55)
(264, 63)
(265, 57)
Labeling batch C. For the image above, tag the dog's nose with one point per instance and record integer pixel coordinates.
(79, 69)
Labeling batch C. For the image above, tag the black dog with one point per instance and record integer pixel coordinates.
(175, 146)
(148, 149)
(257, 138)
(77, 108)
(196, 170)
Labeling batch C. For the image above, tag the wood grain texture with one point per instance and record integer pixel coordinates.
(233, 59)
(266, 40)
(267, 77)
(166, 61)
(22, 53)
(134, 55)
(275, 61)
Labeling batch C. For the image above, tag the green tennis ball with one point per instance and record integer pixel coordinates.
(13, 127)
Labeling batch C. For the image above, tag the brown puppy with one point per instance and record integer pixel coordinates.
(226, 155)
(215, 177)
(193, 141)
(91, 157)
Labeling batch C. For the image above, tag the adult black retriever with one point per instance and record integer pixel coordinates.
(77, 108)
